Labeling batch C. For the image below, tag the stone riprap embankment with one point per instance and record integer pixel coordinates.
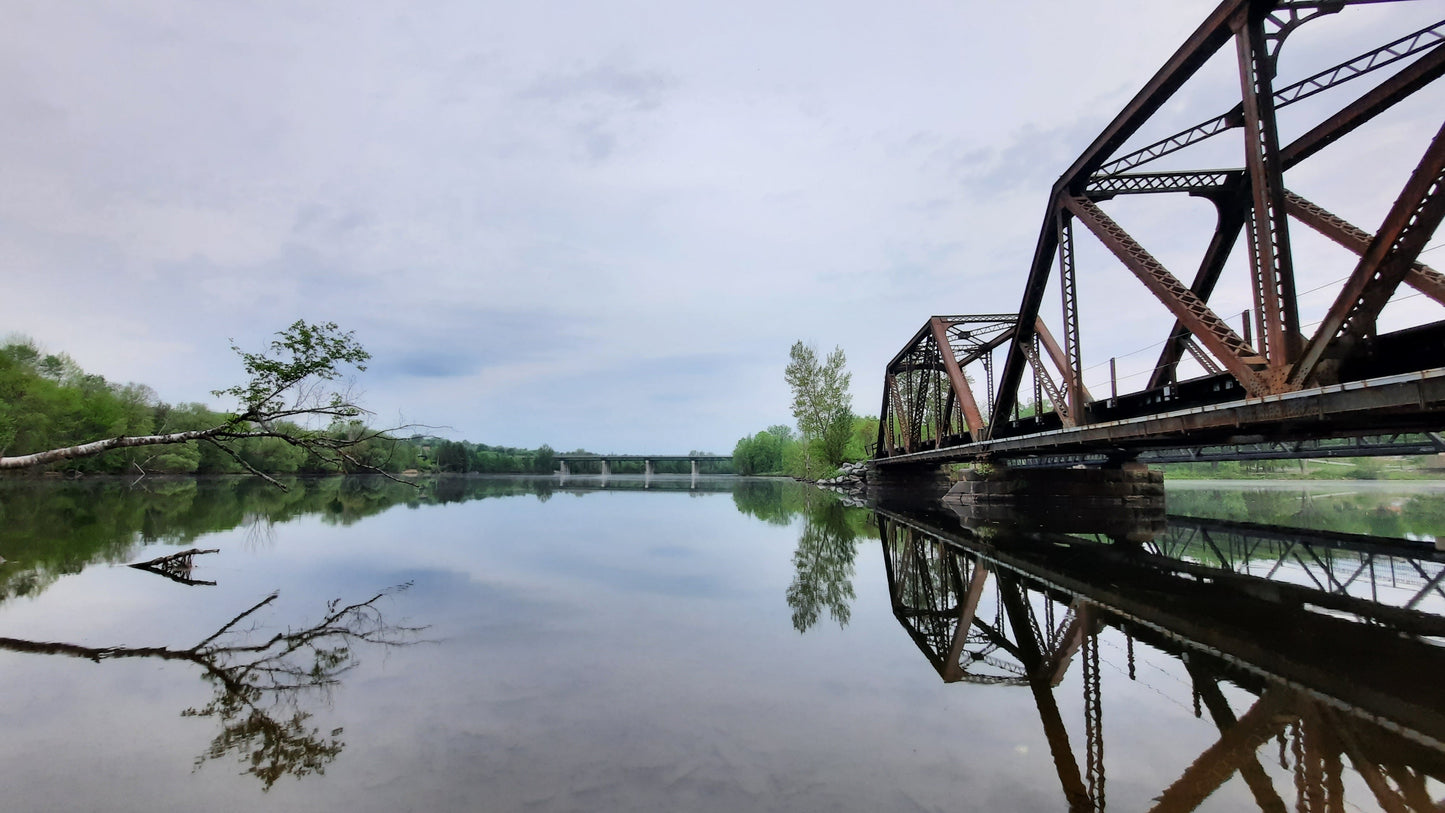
(852, 479)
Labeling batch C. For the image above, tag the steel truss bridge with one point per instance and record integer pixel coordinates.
(1005, 386)
(1332, 638)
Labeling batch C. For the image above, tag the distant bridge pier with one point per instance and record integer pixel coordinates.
(606, 463)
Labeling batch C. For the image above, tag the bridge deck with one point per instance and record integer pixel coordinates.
(1409, 402)
(641, 457)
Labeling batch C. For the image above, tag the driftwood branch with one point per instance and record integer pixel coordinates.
(176, 566)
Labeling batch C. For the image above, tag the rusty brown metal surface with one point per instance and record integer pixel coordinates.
(927, 396)
(1254, 209)
(1409, 402)
(1421, 277)
(1391, 254)
(960, 389)
(1271, 264)
(1191, 311)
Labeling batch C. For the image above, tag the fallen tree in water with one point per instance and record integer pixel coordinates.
(287, 383)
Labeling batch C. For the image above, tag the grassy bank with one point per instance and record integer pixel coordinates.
(1357, 468)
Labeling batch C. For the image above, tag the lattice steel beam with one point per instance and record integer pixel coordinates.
(1382, 97)
(1072, 359)
(1394, 249)
(1421, 277)
(1046, 381)
(1425, 39)
(1146, 183)
(1226, 345)
(972, 417)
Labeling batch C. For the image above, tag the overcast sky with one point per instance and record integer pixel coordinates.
(582, 224)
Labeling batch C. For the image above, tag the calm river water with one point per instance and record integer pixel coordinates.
(727, 645)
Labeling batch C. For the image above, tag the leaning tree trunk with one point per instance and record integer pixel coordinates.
(96, 447)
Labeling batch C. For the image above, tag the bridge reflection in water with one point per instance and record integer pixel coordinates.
(1314, 657)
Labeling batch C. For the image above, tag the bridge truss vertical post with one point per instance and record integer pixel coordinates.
(885, 420)
(1270, 259)
(1074, 372)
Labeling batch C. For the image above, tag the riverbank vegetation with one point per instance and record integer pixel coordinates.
(52, 409)
(778, 450)
(828, 434)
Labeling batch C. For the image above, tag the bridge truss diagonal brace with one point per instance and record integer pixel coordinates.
(1217, 337)
(1232, 211)
(973, 418)
(1421, 277)
(1046, 381)
(1392, 253)
(1060, 358)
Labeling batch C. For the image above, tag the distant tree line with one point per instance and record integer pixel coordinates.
(47, 402)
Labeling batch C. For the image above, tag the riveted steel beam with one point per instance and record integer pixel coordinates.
(1425, 39)
(1391, 253)
(1191, 311)
(1421, 277)
(972, 417)
(1271, 262)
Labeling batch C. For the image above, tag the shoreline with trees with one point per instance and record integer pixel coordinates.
(57, 419)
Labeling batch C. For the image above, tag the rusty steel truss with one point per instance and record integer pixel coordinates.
(932, 387)
(1321, 642)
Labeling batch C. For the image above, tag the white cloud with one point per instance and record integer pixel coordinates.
(578, 224)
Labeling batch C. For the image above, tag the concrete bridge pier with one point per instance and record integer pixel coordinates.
(1124, 501)
(648, 468)
(909, 486)
(606, 468)
(565, 471)
(694, 471)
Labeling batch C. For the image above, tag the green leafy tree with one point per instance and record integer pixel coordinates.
(288, 382)
(822, 404)
(544, 460)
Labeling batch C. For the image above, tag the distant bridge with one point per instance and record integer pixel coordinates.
(1360, 380)
(649, 461)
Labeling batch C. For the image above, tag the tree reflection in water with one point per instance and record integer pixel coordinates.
(823, 563)
(262, 683)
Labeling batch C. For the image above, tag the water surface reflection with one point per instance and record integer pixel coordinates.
(721, 645)
(1313, 654)
(263, 682)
